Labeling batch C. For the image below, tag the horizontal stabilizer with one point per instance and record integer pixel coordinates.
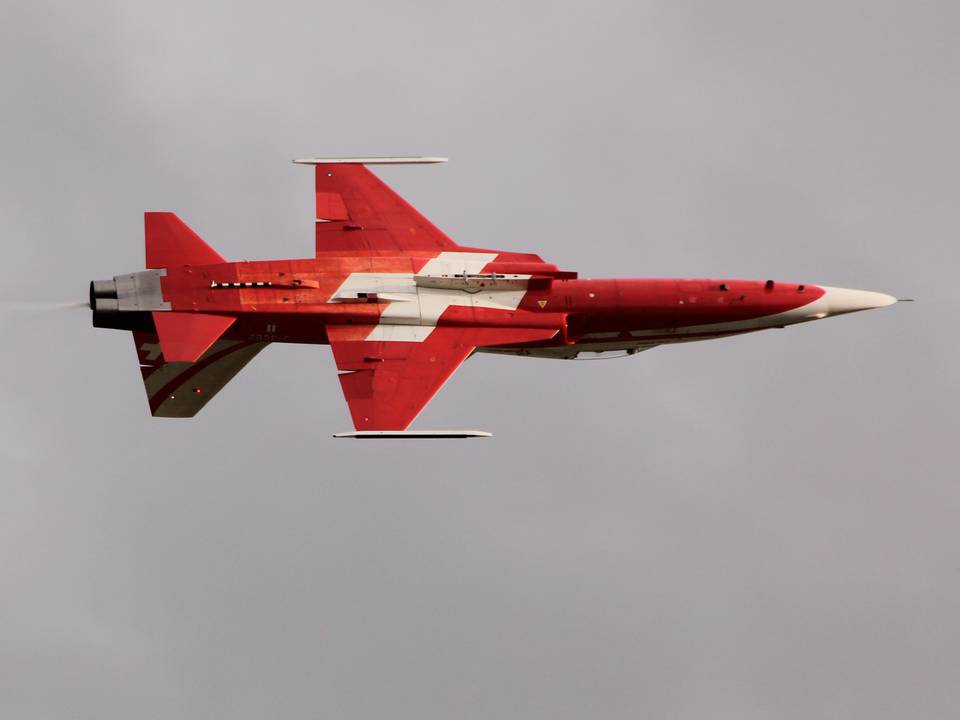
(169, 243)
(184, 337)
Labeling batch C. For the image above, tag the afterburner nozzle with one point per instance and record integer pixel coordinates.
(106, 305)
(102, 289)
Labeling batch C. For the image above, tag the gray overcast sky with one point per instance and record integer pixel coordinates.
(751, 528)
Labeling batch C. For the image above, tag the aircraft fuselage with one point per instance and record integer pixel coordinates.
(296, 301)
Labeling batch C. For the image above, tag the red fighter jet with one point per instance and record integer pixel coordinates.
(402, 305)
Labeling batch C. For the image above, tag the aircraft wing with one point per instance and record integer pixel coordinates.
(387, 382)
(358, 213)
(181, 389)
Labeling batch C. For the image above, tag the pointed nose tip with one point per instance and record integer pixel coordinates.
(844, 300)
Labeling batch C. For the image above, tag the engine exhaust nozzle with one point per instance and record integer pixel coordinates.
(106, 305)
(102, 289)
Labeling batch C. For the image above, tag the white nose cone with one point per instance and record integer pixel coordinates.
(844, 300)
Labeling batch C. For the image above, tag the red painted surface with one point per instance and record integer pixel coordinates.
(184, 337)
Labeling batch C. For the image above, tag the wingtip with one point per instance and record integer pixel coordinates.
(412, 160)
(413, 434)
